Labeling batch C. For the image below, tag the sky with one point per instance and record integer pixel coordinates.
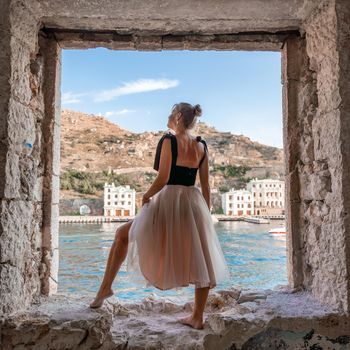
(239, 91)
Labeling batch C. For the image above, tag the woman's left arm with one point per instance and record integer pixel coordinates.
(164, 171)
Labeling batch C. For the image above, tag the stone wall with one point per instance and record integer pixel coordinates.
(316, 126)
(343, 50)
(29, 156)
(234, 319)
(22, 113)
(72, 206)
(51, 87)
(323, 236)
(318, 254)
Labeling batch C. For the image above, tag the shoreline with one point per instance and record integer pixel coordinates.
(71, 219)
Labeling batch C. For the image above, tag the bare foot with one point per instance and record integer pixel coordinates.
(192, 322)
(100, 297)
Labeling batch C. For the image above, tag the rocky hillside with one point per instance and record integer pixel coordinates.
(94, 150)
(92, 143)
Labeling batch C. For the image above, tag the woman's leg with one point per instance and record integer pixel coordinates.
(117, 254)
(196, 319)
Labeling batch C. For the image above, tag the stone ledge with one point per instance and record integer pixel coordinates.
(77, 39)
(234, 319)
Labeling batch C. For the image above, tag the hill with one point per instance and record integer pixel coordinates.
(93, 144)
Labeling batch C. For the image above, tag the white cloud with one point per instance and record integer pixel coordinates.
(134, 87)
(118, 113)
(70, 97)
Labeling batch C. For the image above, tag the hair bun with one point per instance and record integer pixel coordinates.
(197, 110)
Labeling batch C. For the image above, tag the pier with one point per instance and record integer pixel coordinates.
(222, 217)
(253, 219)
(77, 219)
(85, 219)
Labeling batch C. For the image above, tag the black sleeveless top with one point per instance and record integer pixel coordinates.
(179, 175)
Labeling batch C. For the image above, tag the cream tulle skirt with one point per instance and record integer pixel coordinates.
(173, 242)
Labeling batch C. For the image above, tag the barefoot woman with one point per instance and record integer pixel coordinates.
(172, 240)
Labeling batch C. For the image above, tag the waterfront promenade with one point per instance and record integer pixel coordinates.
(220, 217)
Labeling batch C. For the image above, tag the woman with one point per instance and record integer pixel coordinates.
(171, 242)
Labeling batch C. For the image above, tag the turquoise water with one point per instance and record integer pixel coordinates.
(255, 258)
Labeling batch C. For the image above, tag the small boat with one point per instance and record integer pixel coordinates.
(281, 230)
(256, 220)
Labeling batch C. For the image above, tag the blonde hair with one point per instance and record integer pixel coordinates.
(189, 113)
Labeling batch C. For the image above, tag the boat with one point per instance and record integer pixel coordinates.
(281, 230)
(256, 220)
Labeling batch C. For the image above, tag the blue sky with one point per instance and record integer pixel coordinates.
(239, 91)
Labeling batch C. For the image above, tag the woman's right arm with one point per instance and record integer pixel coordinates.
(204, 179)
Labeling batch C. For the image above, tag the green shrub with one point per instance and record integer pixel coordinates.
(230, 170)
(219, 211)
(224, 188)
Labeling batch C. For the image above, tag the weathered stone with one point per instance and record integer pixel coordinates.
(197, 16)
(50, 261)
(233, 293)
(323, 239)
(246, 297)
(11, 286)
(21, 165)
(15, 232)
(320, 184)
(282, 317)
(53, 268)
(316, 100)
(38, 189)
(56, 150)
(4, 14)
(24, 22)
(61, 325)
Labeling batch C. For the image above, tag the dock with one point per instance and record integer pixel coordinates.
(252, 219)
(222, 217)
(85, 219)
(273, 217)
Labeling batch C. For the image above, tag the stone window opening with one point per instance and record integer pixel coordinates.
(314, 44)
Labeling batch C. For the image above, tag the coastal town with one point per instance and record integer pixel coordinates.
(261, 199)
(106, 184)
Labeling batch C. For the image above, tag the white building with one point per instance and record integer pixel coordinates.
(268, 196)
(237, 202)
(119, 201)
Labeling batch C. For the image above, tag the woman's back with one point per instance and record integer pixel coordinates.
(189, 151)
(183, 171)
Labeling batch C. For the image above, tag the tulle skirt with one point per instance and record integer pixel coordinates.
(173, 242)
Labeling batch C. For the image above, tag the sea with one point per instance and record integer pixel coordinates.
(256, 259)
